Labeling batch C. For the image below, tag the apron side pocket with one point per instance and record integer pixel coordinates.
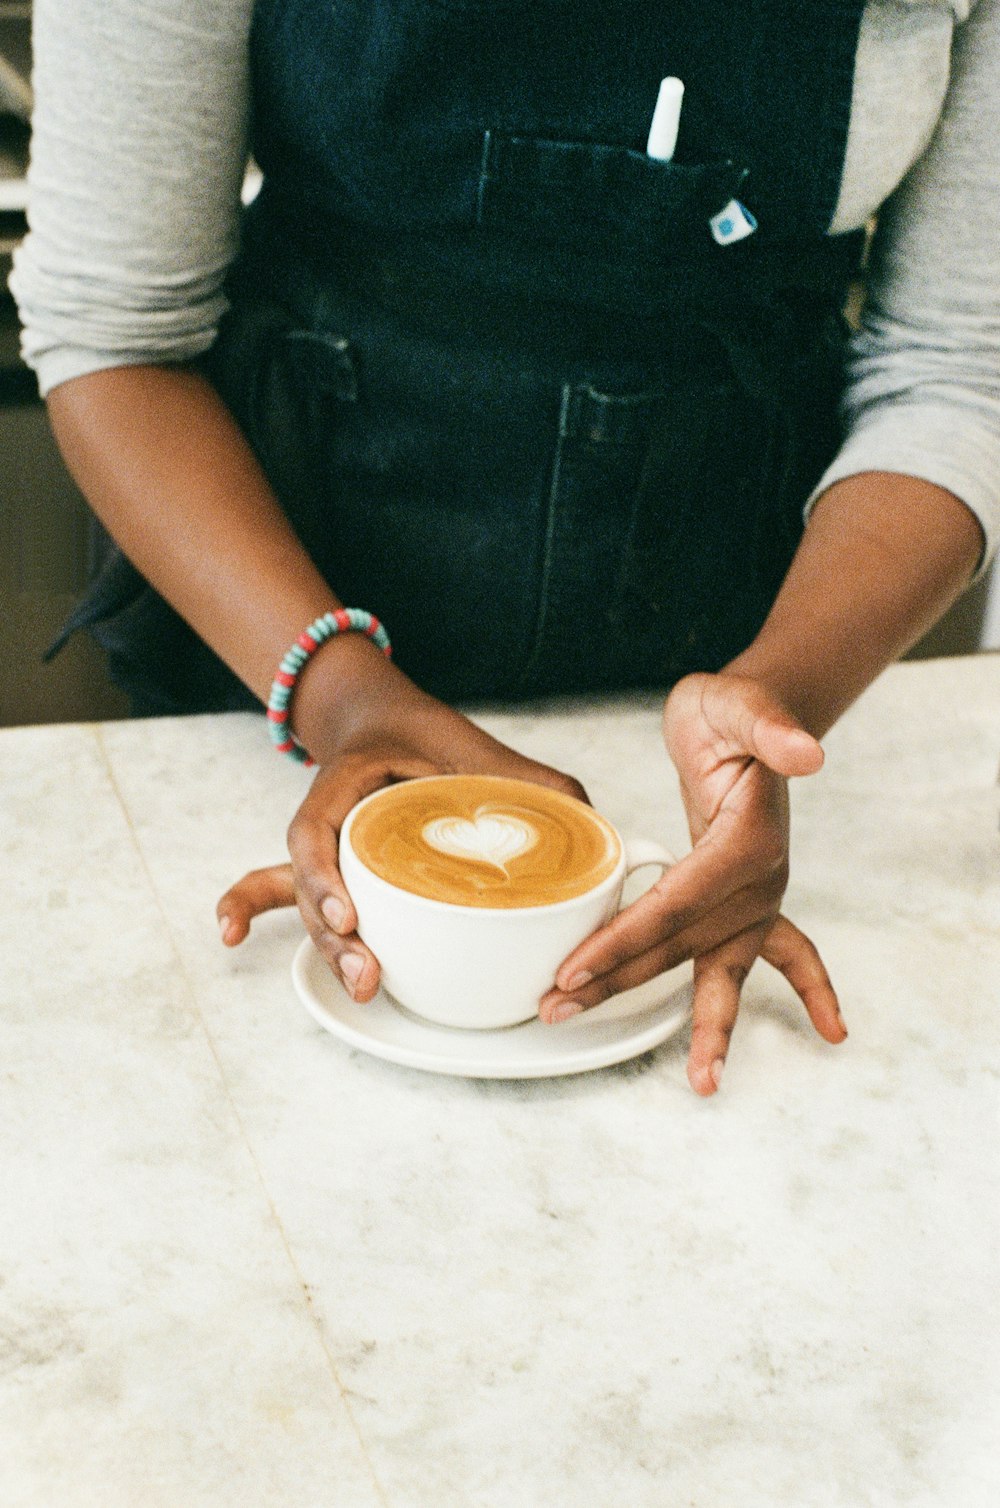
(280, 381)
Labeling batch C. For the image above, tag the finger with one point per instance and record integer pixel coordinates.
(793, 954)
(558, 1005)
(711, 876)
(719, 977)
(313, 841)
(721, 925)
(314, 834)
(259, 891)
(353, 964)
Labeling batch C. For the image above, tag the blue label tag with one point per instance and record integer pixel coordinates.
(734, 222)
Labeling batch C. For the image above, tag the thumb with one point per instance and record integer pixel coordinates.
(749, 718)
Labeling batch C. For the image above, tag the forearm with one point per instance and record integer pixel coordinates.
(170, 475)
(882, 558)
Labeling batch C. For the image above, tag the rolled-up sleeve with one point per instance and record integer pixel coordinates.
(137, 160)
(923, 389)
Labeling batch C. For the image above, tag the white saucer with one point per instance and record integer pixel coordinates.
(622, 1028)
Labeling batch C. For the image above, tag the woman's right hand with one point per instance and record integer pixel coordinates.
(389, 731)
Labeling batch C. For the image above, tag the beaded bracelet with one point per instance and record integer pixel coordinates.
(344, 620)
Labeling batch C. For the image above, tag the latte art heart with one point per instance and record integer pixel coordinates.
(486, 839)
(482, 840)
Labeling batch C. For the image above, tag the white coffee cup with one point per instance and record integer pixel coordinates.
(477, 966)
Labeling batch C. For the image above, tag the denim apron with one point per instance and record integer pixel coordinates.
(512, 395)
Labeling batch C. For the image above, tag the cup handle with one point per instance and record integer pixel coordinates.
(642, 851)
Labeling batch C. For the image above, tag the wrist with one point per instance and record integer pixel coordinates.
(333, 690)
(882, 557)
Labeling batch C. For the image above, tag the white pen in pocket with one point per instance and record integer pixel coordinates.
(734, 222)
(666, 120)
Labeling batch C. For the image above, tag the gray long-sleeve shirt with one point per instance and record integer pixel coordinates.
(139, 149)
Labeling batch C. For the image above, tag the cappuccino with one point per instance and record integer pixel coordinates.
(484, 841)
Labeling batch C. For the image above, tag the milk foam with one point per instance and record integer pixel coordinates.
(489, 838)
(483, 840)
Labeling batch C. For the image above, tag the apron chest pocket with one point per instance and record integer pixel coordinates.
(582, 191)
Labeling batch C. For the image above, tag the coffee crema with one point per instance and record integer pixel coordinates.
(484, 840)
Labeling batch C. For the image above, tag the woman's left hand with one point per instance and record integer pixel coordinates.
(734, 748)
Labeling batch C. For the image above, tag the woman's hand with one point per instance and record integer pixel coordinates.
(385, 732)
(734, 748)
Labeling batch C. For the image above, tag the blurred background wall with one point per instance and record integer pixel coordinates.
(43, 519)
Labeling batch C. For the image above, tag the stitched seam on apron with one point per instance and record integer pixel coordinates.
(550, 529)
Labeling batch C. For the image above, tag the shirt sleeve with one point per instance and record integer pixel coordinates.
(138, 150)
(923, 388)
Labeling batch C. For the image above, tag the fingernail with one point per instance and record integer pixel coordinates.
(334, 912)
(565, 1009)
(716, 1071)
(842, 1023)
(351, 965)
(224, 924)
(579, 980)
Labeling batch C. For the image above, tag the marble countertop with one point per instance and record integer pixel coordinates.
(241, 1264)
